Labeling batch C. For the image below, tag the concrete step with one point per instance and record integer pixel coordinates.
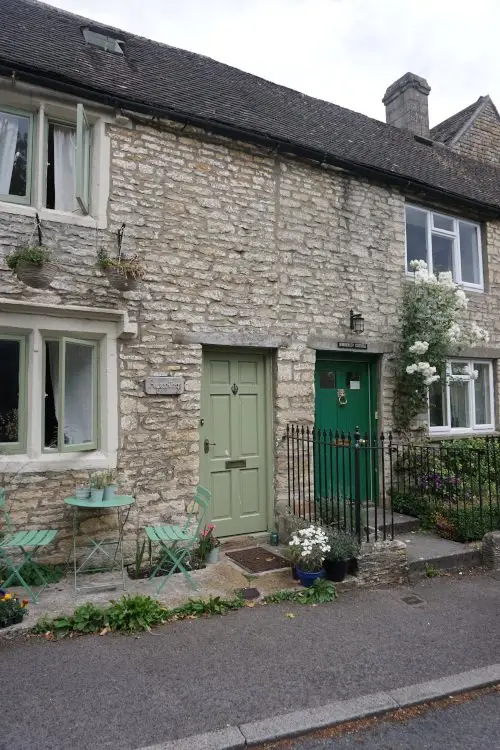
(442, 554)
(402, 524)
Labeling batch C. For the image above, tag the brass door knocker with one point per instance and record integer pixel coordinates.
(341, 397)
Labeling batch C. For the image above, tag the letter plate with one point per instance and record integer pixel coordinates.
(240, 463)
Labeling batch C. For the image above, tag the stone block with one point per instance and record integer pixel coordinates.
(491, 550)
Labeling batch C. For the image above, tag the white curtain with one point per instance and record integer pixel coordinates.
(65, 169)
(78, 394)
(8, 142)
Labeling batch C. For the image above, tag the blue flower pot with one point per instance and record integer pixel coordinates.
(307, 578)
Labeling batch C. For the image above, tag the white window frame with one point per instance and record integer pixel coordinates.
(474, 428)
(35, 329)
(93, 170)
(454, 235)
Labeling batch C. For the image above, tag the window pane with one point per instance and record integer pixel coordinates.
(442, 253)
(10, 362)
(14, 136)
(61, 168)
(469, 253)
(437, 406)
(459, 395)
(442, 222)
(482, 393)
(79, 396)
(416, 235)
(51, 395)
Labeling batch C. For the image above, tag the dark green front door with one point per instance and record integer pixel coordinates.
(346, 393)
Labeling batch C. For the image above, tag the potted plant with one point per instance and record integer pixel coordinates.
(97, 486)
(208, 548)
(343, 548)
(110, 485)
(12, 610)
(122, 273)
(33, 265)
(309, 547)
(82, 492)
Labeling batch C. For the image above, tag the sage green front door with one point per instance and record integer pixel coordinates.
(233, 440)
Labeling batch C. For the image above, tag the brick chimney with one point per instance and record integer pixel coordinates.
(406, 104)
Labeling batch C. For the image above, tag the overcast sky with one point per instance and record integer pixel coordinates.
(344, 51)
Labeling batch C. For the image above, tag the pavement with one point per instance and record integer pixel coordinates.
(215, 675)
(471, 724)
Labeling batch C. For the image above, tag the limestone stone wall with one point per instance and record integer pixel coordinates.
(238, 243)
(482, 140)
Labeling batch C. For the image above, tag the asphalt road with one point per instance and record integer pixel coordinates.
(475, 724)
(195, 676)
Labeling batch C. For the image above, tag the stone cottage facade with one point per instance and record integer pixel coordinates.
(256, 243)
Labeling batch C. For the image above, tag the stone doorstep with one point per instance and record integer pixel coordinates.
(443, 554)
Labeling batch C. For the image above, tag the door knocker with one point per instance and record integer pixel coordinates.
(234, 388)
(341, 397)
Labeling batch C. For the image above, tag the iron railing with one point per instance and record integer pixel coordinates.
(357, 483)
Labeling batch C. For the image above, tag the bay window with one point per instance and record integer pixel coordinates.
(464, 402)
(445, 243)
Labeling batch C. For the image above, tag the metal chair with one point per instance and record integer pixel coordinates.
(27, 543)
(176, 542)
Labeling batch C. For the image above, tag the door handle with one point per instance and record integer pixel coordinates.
(207, 444)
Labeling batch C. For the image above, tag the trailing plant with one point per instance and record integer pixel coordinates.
(432, 329)
(37, 255)
(130, 267)
(321, 592)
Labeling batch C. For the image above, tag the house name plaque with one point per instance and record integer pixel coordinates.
(351, 345)
(164, 385)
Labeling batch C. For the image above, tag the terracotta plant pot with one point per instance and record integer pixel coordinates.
(38, 277)
(121, 281)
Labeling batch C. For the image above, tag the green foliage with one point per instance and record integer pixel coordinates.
(127, 266)
(11, 608)
(132, 614)
(35, 254)
(51, 573)
(98, 480)
(321, 592)
(343, 545)
(431, 571)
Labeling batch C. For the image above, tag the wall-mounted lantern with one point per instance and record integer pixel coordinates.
(357, 322)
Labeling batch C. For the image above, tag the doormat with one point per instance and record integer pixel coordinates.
(258, 559)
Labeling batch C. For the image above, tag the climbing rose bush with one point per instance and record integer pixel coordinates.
(432, 329)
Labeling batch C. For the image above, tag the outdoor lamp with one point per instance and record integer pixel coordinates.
(357, 322)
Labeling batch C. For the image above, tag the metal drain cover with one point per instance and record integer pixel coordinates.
(413, 600)
(249, 594)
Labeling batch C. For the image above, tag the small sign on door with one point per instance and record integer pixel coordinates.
(353, 381)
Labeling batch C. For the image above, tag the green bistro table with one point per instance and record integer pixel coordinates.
(112, 549)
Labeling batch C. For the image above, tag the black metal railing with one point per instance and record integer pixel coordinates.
(357, 482)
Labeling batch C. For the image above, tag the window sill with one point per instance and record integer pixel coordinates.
(47, 214)
(84, 461)
(462, 433)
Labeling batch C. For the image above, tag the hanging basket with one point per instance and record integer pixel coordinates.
(39, 277)
(121, 281)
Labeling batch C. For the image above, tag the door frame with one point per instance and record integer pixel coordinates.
(269, 467)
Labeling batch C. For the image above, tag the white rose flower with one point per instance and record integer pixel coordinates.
(461, 299)
(411, 369)
(419, 347)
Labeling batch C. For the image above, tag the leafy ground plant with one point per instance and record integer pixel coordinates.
(320, 592)
(51, 573)
(131, 614)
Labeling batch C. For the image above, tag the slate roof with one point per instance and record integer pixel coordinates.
(45, 45)
(448, 129)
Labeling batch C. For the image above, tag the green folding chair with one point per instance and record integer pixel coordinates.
(27, 543)
(176, 542)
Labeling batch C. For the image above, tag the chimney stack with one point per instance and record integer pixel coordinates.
(406, 104)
